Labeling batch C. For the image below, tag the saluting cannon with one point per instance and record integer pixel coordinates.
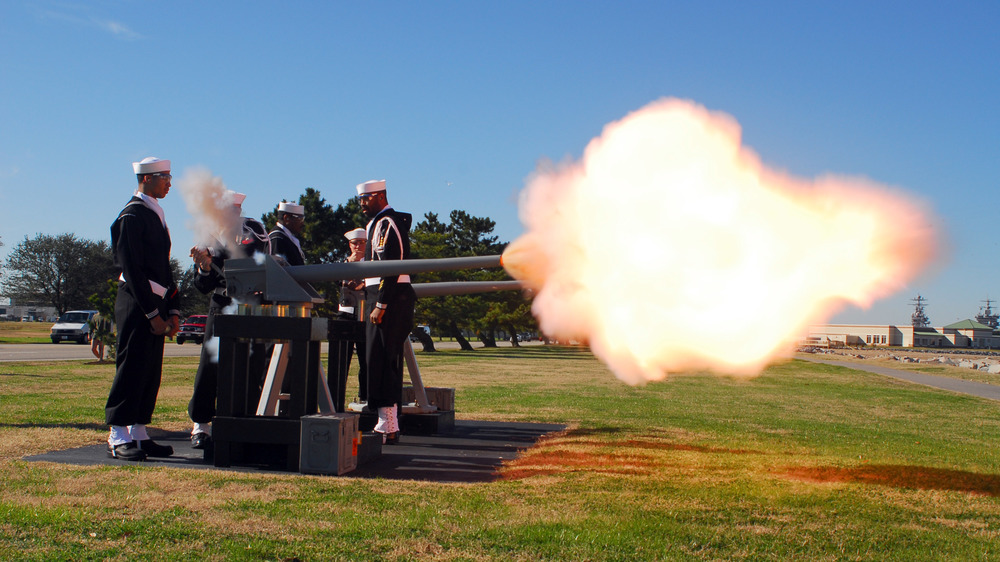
(282, 284)
(255, 419)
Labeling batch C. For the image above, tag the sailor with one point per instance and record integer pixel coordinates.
(147, 309)
(389, 306)
(240, 237)
(352, 307)
(285, 236)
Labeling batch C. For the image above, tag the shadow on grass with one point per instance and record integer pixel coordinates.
(592, 431)
(42, 376)
(902, 476)
(98, 426)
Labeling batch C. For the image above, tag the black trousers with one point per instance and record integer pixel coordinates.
(362, 367)
(385, 347)
(201, 408)
(138, 365)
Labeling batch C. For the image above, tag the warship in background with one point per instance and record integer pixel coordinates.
(987, 316)
(919, 318)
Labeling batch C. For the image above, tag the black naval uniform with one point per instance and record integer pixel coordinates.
(283, 245)
(201, 408)
(388, 239)
(141, 246)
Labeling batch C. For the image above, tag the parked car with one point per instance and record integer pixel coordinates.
(193, 329)
(73, 326)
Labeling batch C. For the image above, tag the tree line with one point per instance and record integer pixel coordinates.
(69, 273)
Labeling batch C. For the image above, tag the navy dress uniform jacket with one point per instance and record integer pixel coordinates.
(388, 239)
(282, 245)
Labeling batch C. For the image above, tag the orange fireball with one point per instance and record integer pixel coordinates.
(650, 244)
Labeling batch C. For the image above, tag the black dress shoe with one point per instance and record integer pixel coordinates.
(154, 449)
(390, 438)
(127, 452)
(201, 441)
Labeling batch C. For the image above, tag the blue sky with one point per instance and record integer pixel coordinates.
(454, 103)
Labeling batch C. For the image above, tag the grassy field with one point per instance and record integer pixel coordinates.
(38, 332)
(25, 332)
(807, 462)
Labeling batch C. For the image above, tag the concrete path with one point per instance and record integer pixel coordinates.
(972, 388)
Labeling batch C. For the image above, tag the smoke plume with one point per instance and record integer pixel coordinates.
(215, 220)
(670, 247)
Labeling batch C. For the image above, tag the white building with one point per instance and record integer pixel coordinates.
(966, 334)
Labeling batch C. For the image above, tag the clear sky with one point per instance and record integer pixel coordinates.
(454, 103)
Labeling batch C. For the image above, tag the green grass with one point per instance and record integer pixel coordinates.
(25, 339)
(25, 332)
(807, 461)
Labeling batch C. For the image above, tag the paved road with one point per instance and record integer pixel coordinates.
(973, 388)
(68, 351)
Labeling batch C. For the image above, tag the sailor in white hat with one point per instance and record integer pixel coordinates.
(352, 307)
(390, 301)
(251, 234)
(285, 236)
(147, 309)
(239, 237)
(356, 234)
(357, 241)
(154, 183)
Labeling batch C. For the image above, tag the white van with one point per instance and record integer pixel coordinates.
(74, 325)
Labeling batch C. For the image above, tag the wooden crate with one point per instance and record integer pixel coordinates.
(443, 398)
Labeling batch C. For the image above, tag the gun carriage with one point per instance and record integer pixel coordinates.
(258, 421)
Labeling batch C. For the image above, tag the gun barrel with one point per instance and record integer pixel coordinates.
(357, 270)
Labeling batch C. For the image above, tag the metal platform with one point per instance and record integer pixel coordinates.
(472, 452)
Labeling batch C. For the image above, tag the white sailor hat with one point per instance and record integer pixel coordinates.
(236, 197)
(286, 207)
(357, 233)
(150, 165)
(371, 186)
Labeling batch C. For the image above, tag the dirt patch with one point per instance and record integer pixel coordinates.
(641, 444)
(901, 476)
(561, 462)
(566, 452)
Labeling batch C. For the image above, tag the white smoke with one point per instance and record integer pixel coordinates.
(215, 220)
(211, 346)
